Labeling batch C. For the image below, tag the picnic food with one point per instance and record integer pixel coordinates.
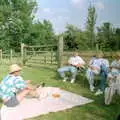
(56, 95)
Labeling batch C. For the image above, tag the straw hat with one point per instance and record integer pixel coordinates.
(14, 68)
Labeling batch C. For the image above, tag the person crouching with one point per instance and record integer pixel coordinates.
(13, 88)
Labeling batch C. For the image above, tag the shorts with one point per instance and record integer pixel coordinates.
(12, 102)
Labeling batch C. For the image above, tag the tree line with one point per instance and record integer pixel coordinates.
(17, 26)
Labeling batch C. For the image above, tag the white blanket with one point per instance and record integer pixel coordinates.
(33, 107)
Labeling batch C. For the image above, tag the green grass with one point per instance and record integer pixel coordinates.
(93, 111)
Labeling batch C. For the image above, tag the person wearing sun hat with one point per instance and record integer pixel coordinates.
(113, 80)
(14, 68)
(13, 88)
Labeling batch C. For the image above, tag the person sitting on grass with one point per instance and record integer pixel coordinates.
(75, 62)
(13, 88)
(113, 80)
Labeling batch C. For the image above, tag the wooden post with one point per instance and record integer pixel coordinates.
(33, 51)
(1, 55)
(22, 52)
(51, 56)
(97, 48)
(60, 51)
(11, 54)
(45, 59)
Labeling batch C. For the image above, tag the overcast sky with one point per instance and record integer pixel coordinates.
(60, 12)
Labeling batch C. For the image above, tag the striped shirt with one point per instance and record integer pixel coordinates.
(10, 85)
(115, 64)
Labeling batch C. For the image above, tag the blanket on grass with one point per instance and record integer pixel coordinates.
(51, 100)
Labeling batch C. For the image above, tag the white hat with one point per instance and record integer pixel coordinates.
(14, 68)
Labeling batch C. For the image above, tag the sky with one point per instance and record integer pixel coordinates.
(62, 12)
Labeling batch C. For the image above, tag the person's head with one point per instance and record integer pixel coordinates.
(100, 55)
(15, 69)
(94, 56)
(117, 55)
(75, 54)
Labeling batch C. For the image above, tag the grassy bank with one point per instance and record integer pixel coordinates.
(93, 111)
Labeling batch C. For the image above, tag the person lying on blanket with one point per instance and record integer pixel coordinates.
(13, 88)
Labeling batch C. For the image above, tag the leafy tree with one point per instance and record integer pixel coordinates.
(42, 33)
(70, 37)
(82, 40)
(117, 39)
(90, 27)
(75, 38)
(15, 22)
(105, 36)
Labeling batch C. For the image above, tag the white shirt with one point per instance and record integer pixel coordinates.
(103, 62)
(114, 64)
(75, 60)
(96, 63)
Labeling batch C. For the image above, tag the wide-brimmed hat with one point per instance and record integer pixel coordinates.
(14, 68)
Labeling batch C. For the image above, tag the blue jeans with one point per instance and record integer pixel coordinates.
(64, 69)
(90, 76)
(103, 76)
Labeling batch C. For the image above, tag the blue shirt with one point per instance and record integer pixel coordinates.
(115, 64)
(10, 85)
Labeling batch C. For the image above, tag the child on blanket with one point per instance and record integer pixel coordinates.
(113, 80)
(13, 88)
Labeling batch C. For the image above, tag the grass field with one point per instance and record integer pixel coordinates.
(93, 111)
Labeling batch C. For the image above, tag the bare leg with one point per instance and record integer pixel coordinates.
(20, 96)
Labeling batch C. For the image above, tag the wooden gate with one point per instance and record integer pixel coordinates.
(43, 55)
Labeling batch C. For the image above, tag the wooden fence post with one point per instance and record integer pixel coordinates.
(22, 52)
(60, 51)
(51, 56)
(11, 55)
(97, 48)
(1, 54)
(45, 59)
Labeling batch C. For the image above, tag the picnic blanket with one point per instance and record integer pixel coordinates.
(52, 100)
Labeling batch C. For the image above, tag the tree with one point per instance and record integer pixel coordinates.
(42, 33)
(70, 37)
(117, 39)
(90, 27)
(105, 36)
(15, 21)
(75, 38)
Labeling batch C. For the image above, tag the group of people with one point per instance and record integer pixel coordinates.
(98, 66)
(13, 89)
